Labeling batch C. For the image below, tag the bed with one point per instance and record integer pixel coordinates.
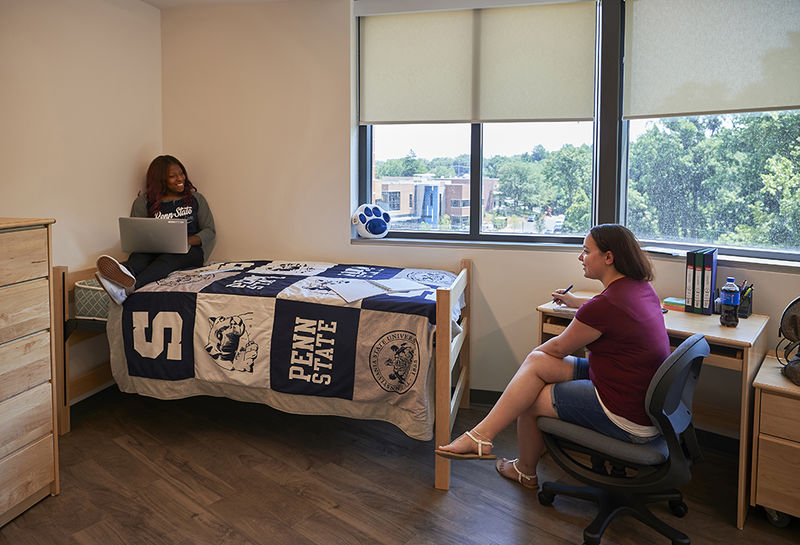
(279, 333)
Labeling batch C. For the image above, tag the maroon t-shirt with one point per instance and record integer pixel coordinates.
(632, 346)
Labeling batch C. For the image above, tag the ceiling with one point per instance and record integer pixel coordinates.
(164, 4)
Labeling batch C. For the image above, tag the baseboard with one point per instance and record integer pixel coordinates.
(483, 397)
(707, 439)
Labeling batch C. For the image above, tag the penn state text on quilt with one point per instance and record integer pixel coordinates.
(277, 325)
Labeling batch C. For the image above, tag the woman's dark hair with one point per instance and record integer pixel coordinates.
(629, 258)
(156, 186)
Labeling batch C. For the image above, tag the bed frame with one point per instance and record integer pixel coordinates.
(74, 330)
(452, 359)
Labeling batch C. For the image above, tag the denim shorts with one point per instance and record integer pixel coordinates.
(575, 401)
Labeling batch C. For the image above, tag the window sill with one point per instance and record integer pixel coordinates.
(755, 263)
(482, 244)
(742, 262)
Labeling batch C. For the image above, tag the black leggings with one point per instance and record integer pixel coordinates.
(151, 267)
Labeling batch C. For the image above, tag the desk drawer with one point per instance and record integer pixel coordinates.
(23, 255)
(24, 363)
(25, 418)
(779, 416)
(24, 309)
(778, 484)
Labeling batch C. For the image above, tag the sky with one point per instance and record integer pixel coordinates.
(450, 140)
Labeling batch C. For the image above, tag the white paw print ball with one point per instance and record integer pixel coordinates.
(371, 221)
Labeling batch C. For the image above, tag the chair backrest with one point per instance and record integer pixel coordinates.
(669, 396)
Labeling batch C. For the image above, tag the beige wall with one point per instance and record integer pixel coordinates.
(80, 104)
(258, 100)
(258, 103)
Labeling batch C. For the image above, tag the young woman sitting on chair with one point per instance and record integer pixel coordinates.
(623, 328)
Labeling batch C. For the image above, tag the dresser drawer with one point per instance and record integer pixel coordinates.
(24, 309)
(780, 416)
(23, 255)
(25, 418)
(25, 472)
(24, 363)
(778, 485)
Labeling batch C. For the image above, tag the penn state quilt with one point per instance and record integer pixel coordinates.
(276, 332)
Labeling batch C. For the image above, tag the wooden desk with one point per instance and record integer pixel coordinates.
(740, 349)
(776, 444)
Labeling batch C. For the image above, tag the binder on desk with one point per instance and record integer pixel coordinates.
(697, 300)
(689, 293)
(709, 279)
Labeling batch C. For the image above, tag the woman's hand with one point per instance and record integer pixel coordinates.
(194, 240)
(562, 298)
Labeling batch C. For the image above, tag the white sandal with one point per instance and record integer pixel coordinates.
(528, 481)
(469, 455)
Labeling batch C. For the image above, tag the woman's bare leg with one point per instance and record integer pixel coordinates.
(520, 396)
(529, 437)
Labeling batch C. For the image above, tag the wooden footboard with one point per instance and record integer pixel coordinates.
(448, 354)
(69, 331)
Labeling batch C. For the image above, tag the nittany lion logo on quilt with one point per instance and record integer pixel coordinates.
(229, 343)
(394, 361)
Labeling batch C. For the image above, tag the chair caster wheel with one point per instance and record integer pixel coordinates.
(545, 498)
(678, 508)
(776, 518)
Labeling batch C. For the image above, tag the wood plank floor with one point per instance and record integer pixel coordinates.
(136, 470)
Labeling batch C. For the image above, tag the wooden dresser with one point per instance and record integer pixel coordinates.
(28, 446)
(776, 444)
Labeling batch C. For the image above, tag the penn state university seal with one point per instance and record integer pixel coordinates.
(394, 361)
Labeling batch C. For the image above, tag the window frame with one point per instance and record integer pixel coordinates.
(609, 159)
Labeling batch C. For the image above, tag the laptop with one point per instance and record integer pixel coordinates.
(153, 235)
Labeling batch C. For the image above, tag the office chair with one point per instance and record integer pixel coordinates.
(639, 473)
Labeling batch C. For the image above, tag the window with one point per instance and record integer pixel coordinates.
(538, 177)
(438, 90)
(440, 172)
(729, 179)
(713, 123)
(695, 142)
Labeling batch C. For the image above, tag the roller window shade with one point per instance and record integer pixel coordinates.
(502, 64)
(692, 57)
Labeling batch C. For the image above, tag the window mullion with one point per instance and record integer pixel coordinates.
(475, 179)
(608, 172)
(364, 164)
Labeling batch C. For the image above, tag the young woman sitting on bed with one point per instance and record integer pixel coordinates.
(622, 327)
(168, 194)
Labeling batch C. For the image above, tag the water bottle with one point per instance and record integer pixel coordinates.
(729, 303)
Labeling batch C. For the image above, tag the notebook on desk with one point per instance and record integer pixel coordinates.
(153, 235)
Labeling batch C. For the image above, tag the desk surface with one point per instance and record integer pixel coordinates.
(682, 323)
(771, 378)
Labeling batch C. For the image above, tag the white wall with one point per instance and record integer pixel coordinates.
(257, 102)
(80, 104)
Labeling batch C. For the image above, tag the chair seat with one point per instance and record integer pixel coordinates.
(653, 453)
